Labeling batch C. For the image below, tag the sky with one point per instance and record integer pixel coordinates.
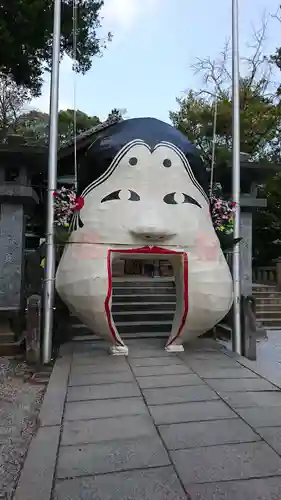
(149, 61)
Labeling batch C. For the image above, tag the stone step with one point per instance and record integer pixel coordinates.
(263, 287)
(80, 327)
(267, 305)
(143, 283)
(270, 301)
(11, 349)
(80, 330)
(142, 290)
(269, 322)
(125, 336)
(144, 322)
(137, 328)
(142, 316)
(267, 295)
(159, 297)
(7, 338)
(143, 306)
(268, 314)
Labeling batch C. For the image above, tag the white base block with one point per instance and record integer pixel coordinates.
(119, 350)
(174, 348)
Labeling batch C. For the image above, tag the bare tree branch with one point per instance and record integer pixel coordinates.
(12, 100)
(216, 74)
(257, 63)
(277, 14)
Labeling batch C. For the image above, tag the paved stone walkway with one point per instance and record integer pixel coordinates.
(197, 425)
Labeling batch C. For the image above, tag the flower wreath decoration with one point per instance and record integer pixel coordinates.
(222, 214)
(66, 202)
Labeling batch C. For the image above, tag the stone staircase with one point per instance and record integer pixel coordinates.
(268, 306)
(10, 344)
(141, 308)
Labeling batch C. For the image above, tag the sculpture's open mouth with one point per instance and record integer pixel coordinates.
(159, 302)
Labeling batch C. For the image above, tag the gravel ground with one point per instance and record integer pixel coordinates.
(20, 401)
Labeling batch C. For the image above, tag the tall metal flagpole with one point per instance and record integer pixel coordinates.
(52, 184)
(236, 338)
(214, 145)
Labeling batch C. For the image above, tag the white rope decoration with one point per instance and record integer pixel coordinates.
(213, 147)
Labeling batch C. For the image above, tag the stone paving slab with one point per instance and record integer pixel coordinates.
(261, 416)
(103, 391)
(221, 363)
(111, 456)
(227, 373)
(167, 360)
(147, 371)
(85, 410)
(169, 381)
(248, 399)
(211, 355)
(148, 353)
(106, 429)
(184, 394)
(226, 463)
(149, 484)
(101, 378)
(191, 412)
(98, 368)
(97, 359)
(95, 347)
(197, 434)
(94, 354)
(272, 435)
(251, 489)
(243, 384)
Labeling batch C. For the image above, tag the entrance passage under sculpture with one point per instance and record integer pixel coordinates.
(145, 198)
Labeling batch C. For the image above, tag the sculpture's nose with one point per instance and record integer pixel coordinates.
(152, 232)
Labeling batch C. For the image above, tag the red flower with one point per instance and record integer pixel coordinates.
(55, 193)
(79, 203)
(233, 204)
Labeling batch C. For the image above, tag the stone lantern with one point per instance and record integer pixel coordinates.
(17, 198)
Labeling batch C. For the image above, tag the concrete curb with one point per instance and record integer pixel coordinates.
(53, 405)
(36, 480)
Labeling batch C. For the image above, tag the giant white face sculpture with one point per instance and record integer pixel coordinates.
(145, 195)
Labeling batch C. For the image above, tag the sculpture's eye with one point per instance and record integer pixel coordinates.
(176, 198)
(122, 195)
(133, 196)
